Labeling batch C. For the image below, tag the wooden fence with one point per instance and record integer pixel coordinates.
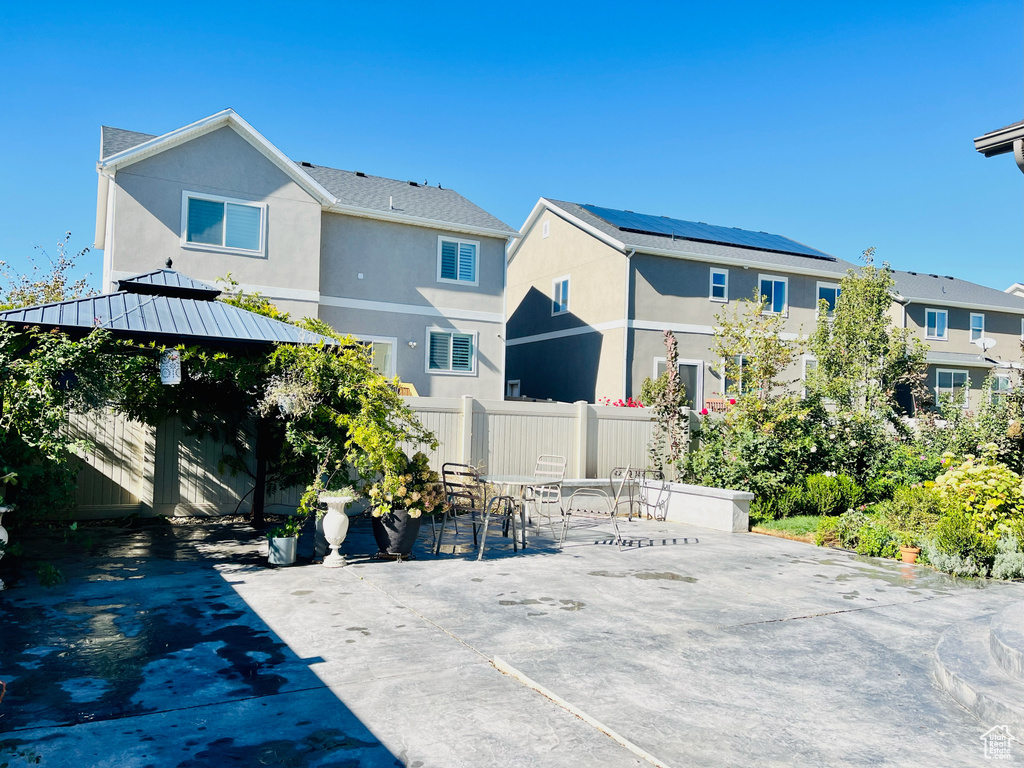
(133, 468)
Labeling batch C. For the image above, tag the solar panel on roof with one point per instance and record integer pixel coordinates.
(663, 226)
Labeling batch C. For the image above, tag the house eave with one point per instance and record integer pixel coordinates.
(999, 142)
(401, 218)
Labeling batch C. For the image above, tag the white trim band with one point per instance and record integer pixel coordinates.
(423, 310)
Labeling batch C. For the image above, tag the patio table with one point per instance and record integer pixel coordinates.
(523, 482)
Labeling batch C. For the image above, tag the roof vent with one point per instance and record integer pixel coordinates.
(304, 164)
(413, 184)
(935, 276)
(947, 277)
(361, 174)
(912, 273)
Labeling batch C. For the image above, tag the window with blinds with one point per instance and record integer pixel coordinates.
(457, 260)
(451, 352)
(223, 223)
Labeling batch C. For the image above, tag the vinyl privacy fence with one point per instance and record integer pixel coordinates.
(134, 468)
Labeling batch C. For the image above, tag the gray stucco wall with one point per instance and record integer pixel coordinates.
(147, 215)
(399, 264)
(411, 362)
(1003, 327)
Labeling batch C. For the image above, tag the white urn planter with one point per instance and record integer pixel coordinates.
(4, 538)
(335, 526)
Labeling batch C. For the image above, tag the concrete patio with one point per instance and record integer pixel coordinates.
(177, 646)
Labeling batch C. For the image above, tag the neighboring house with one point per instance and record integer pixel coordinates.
(972, 331)
(417, 270)
(591, 290)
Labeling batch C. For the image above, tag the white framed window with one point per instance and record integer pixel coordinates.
(383, 350)
(828, 292)
(545, 228)
(1001, 386)
(809, 365)
(936, 324)
(775, 292)
(951, 382)
(451, 352)
(1022, 329)
(977, 326)
(731, 386)
(691, 376)
(560, 295)
(513, 388)
(719, 288)
(457, 260)
(211, 222)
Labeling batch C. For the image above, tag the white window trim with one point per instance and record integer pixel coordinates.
(774, 278)
(936, 338)
(186, 243)
(804, 359)
(967, 385)
(393, 341)
(817, 290)
(554, 284)
(698, 400)
(970, 325)
(1022, 329)
(724, 372)
(476, 267)
(711, 285)
(508, 387)
(449, 372)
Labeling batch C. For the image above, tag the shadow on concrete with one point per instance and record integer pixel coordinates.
(146, 649)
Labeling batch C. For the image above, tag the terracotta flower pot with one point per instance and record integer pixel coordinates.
(909, 554)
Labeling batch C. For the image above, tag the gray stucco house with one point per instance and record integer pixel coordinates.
(591, 290)
(417, 270)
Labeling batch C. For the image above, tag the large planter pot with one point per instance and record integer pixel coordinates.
(282, 550)
(334, 525)
(396, 532)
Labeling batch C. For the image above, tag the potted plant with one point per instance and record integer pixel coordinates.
(283, 542)
(408, 490)
(908, 548)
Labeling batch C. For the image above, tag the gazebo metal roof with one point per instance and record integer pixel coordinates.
(167, 307)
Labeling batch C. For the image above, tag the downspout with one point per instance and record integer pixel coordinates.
(625, 324)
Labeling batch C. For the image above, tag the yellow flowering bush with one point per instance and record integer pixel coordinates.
(991, 492)
(411, 485)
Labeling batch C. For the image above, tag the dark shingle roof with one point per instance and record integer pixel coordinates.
(115, 140)
(374, 193)
(941, 288)
(644, 242)
(409, 198)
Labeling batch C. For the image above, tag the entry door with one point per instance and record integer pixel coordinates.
(691, 376)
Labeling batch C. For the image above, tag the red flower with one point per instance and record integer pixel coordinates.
(732, 401)
(703, 411)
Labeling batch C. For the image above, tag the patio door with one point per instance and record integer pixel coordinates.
(691, 376)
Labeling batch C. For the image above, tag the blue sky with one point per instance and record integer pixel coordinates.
(842, 125)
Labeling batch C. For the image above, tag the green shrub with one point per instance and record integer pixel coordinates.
(912, 511)
(827, 533)
(901, 465)
(876, 539)
(831, 494)
(988, 490)
(967, 551)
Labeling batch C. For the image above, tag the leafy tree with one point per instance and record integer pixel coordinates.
(862, 357)
(253, 302)
(45, 287)
(755, 337)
